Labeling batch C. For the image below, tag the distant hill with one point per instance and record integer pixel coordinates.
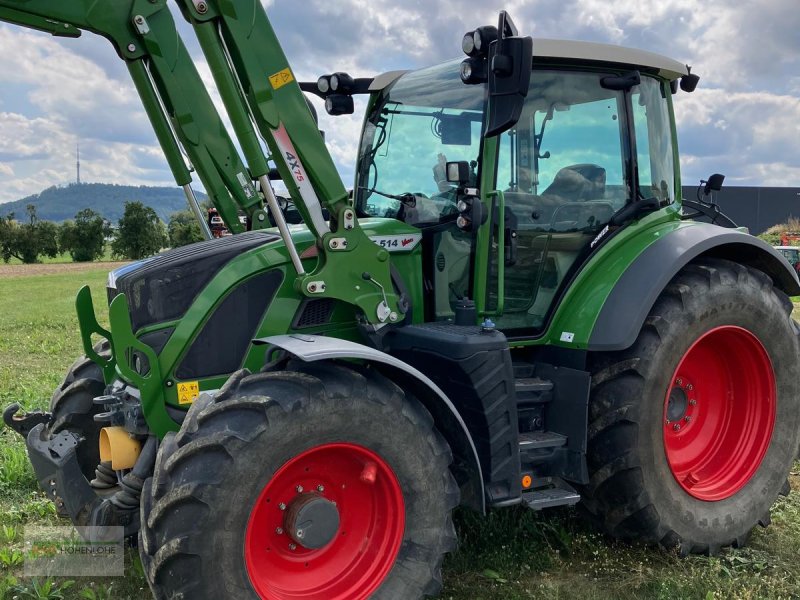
(61, 203)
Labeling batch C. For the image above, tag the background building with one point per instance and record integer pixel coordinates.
(757, 208)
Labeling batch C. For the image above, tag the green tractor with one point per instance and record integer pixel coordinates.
(512, 309)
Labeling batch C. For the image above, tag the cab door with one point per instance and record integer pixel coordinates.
(566, 168)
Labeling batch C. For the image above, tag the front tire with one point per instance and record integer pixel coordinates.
(73, 409)
(693, 430)
(339, 454)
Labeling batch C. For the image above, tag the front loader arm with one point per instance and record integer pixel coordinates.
(262, 99)
(174, 96)
(350, 266)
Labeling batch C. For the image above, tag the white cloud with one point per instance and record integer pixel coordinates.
(743, 118)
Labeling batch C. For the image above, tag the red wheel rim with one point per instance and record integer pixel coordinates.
(719, 413)
(364, 546)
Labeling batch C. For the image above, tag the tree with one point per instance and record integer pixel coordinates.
(84, 238)
(28, 241)
(183, 229)
(141, 233)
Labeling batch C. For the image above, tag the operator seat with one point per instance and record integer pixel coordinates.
(577, 183)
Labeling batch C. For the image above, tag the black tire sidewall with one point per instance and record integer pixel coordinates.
(417, 469)
(717, 523)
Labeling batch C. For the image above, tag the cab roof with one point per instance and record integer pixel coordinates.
(590, 52)
(608, 53)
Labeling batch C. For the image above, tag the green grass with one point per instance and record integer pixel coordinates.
(513, 554)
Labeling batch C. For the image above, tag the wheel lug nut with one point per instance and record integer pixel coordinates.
(679, 382)
(299, 534)
(320, 488)
(282, 506)
(693, 402)
(687, 418)
(299, 489)
(690, 387)
(292, 547)
(667, 421)
(279, 530)
(676, 427)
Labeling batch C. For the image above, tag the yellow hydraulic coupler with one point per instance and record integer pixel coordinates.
(117, 446)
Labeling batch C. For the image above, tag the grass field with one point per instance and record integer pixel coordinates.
(511, 555)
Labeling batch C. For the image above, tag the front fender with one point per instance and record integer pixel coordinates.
(447, 418)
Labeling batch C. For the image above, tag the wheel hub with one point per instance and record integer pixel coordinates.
(311, 521)
(677, 403)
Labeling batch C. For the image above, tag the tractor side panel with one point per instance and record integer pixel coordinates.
(606, 303)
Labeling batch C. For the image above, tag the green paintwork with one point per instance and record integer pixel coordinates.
(87, 322)
(483, 239)
(274, 101)
(123, 343)
(501, 263)
(159, 387)
(581, 305)
(39, 23)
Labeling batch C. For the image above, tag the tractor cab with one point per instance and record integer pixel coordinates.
(591, 151)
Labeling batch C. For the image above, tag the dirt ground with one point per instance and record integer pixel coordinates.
(52, 268)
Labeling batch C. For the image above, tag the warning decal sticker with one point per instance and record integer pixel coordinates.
(281, 78)
(188, 391)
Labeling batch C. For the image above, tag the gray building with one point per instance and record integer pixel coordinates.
(757, 208)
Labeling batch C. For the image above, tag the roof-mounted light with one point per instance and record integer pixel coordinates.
(339, 104)
(342, 83)
(468, 44)
(473, 70)
(482, 37)
(324, 84)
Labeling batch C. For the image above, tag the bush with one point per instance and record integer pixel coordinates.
(183, 229)
(141, 233)
(84, 238)
(773, 235)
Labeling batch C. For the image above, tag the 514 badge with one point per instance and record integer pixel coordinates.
(397, 243)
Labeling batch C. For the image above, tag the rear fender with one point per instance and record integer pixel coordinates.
(446, 417)
(633, 295)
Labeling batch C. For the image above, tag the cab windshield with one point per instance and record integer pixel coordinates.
(428, 118)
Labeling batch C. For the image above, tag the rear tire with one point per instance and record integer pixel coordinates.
(212, 522)
(698, 483)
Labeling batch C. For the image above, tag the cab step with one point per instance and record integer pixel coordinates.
(550, 497)
(538, 440)
(532, 390)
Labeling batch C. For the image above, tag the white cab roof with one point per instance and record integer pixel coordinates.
(581, 51)
(608, 53)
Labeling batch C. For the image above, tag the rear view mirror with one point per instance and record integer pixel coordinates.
(509, 76)
(456, 131)
(458, 172)
(714, 183)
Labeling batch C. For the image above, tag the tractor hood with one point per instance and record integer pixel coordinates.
(162, 288)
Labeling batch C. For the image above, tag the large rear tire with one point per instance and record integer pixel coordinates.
(693, 429)
(321, 481)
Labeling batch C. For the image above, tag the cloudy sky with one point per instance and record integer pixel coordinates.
(744, 119)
